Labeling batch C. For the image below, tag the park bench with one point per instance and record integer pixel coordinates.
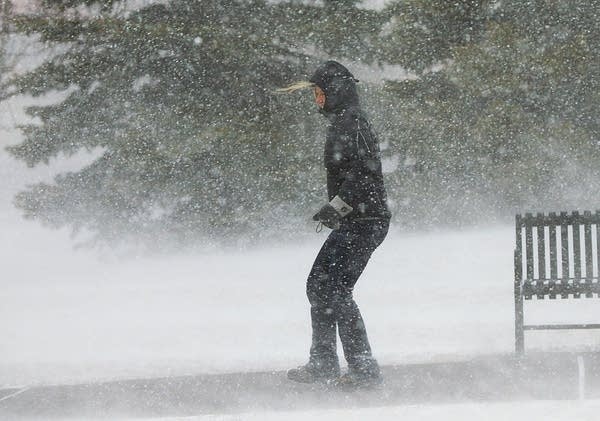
(556, 255)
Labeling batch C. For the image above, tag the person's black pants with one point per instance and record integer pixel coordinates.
(331, 281)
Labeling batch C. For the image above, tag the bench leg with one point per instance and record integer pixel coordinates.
(519, 332)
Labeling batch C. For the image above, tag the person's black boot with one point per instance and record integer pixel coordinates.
(366, 375)
(314, 372)
(358, 380)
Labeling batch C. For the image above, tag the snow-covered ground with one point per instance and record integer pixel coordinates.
(522, 411)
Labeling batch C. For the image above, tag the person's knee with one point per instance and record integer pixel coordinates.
(341, 299)
(318, 291)
(313, 297)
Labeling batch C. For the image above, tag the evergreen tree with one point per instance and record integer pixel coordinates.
(501, 117)
(179, 100)
(5, 13)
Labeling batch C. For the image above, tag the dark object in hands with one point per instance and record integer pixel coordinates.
(328, 216)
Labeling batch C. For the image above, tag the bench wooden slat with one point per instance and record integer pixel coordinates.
(541, 288)
(564, 247)
(598, 243)
(562, 218)
(562, 327)
(589, 267)
(552, 250)
(541, 246)
(553, 263)
(529, 248)
(576, 248)
(518, 249)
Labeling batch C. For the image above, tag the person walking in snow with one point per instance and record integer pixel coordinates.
(358, 215)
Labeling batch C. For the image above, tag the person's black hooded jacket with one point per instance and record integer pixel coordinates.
(352, 154)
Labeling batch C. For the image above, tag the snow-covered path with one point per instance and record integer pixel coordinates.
(500, 378)
(524, 411)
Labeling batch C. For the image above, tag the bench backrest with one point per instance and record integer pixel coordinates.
(557, 254)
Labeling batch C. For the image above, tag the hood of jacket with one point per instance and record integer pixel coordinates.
(338, 84)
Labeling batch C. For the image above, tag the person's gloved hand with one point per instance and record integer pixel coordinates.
(332, 213)
(328, 216)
